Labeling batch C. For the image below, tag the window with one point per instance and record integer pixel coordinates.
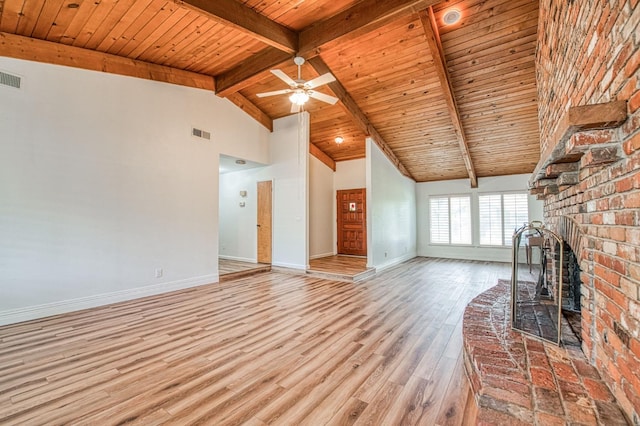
(450, 220)
(500, 216)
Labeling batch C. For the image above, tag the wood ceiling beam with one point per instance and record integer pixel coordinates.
(361, 120)
(353, 22)
(322, 156)
(249, 71)
(246, 20)
(19, 47)
(250, 108)
(435, 45)
(359, 19)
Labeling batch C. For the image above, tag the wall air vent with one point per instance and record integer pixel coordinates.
(199, 133)
(10, 80)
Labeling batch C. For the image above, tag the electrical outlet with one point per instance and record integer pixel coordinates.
(159, 273)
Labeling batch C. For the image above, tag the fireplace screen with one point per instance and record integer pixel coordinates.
(536, 282)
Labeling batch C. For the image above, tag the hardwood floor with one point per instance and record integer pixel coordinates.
(349, 265)
(267, 349)
(232, 269)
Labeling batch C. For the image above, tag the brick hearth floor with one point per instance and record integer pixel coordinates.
(517, 379)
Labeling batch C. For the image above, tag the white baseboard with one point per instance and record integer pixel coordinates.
(318, 256)
(239, 259)
(290, 265)
(394, 262)
(486, 254)
(13, 316)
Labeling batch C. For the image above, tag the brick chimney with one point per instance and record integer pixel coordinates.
(588, 77)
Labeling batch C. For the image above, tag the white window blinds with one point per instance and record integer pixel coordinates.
(440, 220)
(450, 219)
(460, 220)
(500, 215)
(516, 213)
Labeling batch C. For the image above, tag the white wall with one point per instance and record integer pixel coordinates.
(249, 142)
(351, 174)
(391, 211)
(322, 216)
(101, 183)
(289, 145)
(462, 187)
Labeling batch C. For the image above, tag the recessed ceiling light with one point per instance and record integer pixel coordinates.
(241, 162)
(451, 16)
(339, 140)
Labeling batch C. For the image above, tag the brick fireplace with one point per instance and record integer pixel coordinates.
(589, 174)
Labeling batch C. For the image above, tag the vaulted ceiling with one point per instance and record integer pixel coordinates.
(442, 101)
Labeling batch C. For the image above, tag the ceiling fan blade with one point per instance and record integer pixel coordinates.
(284, 77)
(295, 108)
(275, 92)
(319, 81)
(322, 97)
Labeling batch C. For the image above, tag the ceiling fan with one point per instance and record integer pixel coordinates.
(302, 90)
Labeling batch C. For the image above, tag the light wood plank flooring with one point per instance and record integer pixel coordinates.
(232, 269)
(267, 349)
(347, 265)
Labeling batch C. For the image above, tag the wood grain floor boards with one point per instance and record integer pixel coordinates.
(452, 408)
(348, 265)
(272, 348)
(232, 269)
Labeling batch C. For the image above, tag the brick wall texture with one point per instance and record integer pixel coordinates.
(588, 53)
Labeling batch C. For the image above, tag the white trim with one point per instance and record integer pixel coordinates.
(239, 259)
(64, 306)
(394, 262)
(318, 256)
(289, 265)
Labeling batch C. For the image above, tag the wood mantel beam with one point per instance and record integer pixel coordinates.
(363, 17)
(249, 71)
(361, 120)
(608, 115)
(247, 20)
(31, 49)
(435, 45)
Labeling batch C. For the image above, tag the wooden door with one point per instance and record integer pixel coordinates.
(352, 221)
(264, 221)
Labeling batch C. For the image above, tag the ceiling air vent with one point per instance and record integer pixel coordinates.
(200, 133)
(9, 80)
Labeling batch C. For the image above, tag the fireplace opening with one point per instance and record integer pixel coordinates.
(571, 291)
(546, 286)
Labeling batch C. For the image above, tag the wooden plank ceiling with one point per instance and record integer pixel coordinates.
(443, 102)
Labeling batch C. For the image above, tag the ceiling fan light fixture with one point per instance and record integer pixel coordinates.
(299, 98)
(451, 16)
(339, 140)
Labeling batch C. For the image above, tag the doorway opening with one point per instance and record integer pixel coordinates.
(237, 218)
